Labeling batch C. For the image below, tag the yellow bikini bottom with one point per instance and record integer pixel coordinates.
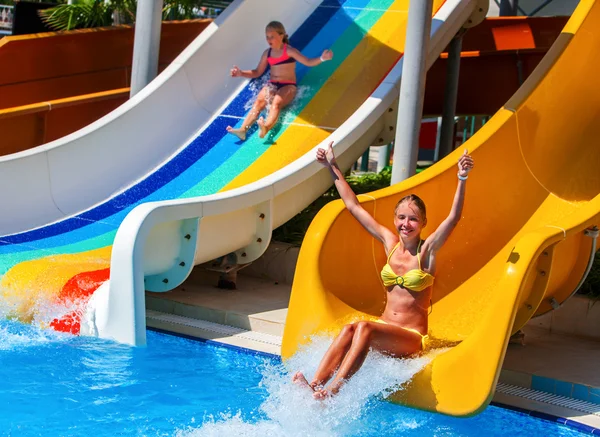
(424, 338)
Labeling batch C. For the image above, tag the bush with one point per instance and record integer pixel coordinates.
(591, 286)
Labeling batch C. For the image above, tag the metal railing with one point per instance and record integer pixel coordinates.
(465, 128)
(471, 124)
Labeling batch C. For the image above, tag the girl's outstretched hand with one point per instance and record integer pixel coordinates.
(465, 164)
(326, 156)
(327, 55)
(235, 71)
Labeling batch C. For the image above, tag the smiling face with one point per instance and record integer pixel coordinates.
(409, 220)
(274, 39)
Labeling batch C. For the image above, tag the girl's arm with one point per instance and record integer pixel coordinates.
(383, 234)
(437, 239)
(251, 74)
(309, 62)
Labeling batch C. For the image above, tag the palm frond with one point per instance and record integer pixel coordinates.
(189, 9)
(77, 15)
(93, 13)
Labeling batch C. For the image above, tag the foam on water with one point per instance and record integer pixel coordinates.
(37, 308)
(290, 410)
(17, 337)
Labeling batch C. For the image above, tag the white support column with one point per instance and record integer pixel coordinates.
(148, 20)
(412, 90)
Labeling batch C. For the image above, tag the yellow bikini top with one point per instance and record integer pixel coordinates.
(414, 280)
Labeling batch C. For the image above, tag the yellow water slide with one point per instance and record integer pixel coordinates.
(520, 247)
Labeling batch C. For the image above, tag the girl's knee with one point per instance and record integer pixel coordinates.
(347, 330)
(363, 328)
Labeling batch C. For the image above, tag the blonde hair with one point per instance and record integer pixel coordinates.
(278, 27)
(417, 201)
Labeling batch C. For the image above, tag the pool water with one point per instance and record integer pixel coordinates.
(55, 384)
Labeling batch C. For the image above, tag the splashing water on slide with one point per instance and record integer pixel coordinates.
(290, 410)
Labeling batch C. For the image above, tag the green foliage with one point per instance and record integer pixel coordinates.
(591, 286)
(97, 13)
(294, 230)
(188, 9)
(80, 14)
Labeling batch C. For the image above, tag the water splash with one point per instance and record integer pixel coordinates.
(290, 410)
(289, 114)
(38, 309)
(255, 87)
(17, 336)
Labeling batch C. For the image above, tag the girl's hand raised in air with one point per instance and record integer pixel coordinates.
(465, 164)
(326, 156)
(235, 71)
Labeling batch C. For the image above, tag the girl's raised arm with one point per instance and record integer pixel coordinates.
(383, 234)
(437, 239)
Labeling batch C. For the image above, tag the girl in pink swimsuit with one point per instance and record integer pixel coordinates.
(281, 88)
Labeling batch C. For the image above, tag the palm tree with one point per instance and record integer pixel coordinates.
(187, 9)
(96, 13)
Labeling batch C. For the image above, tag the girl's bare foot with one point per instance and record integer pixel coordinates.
(239, 132)
(262, 128)
(332, 390)
(321, 394)
(300, 379)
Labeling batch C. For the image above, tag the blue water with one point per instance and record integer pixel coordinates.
(58, 385)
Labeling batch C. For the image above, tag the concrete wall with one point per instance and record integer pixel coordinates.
(578, 316)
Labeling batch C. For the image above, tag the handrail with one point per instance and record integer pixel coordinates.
(63, 103)
(480, 53)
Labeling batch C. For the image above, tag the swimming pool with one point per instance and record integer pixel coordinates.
(60, 385)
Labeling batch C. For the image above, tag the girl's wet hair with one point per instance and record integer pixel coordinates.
(278, 27)
(417, 201)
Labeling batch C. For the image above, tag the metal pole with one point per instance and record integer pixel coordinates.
(509, 8)
(148, 20)
(412, 89)
(450, 97)
(438, 137)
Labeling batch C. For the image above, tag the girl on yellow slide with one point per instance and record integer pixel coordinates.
(408, 276)
(281, 88)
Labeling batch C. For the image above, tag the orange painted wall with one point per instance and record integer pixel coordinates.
(49, 66)
(41, 123)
